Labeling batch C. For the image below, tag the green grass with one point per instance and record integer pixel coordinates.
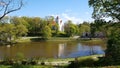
(40, 66)
(3, 66)
(61, 39)
(81, 59)
(25, 66)
(30, 39)
(68, 59)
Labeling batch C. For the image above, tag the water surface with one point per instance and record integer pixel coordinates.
(52, 49)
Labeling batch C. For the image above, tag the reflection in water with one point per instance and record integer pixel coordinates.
(61, 49)
(52, 49)
(82, 50)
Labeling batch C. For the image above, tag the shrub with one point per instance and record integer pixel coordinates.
(89, 62)
(112, 53)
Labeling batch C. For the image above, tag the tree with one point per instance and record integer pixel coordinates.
(12, 28)
(70, 29)
(103, 8)
(46, 33)
(7, 33)
(21, 30)
(18, 21)
(20, 25)
(36, 22)
(106, 8)
(85, 27)
(52, 24)
(112, 53)
(8, 6)
(33, 24)
(99, 26)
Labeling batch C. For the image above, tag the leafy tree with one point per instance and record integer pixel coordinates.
(52, 24)
(99, 26)
(10, 31)
(19, 21)
(46, 33)
(92, 29)
(105, 8)
(20, 25)
(85, 27)
(21, 30)
(49, 18)
(8, 6)
(70, 28)
(33, 25)
(112, 53)
(36, 21)
(7, 33)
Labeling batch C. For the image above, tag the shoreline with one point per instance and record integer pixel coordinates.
(58, 60)
(37, 39)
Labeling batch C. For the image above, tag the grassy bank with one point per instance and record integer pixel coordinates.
(25, 66)
(31, 39)
(85, 59)
(40, 66)
(51, 62)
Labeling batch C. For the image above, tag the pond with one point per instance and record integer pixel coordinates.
(52, 49)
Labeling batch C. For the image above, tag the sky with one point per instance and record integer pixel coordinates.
(75, 10)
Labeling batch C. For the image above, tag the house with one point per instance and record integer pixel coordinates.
(58, 21)
(96, 35)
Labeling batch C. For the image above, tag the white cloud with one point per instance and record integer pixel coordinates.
(72, 18)
(69, 15)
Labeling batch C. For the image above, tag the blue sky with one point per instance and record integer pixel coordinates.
(75, 10)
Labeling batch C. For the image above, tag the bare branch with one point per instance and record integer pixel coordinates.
(9, 6)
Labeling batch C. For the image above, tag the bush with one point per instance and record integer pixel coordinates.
(62, 34)
(89, 62)
(22, 66)
(112, 53)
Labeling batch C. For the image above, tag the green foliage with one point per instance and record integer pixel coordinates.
(46, 33)
(99, 26)
(21, 30)
(61, 34)
(55, 29)
(88, 62)
(105, 8)
(85, 27)
(9, 32)
(109, 8)
(18, 21)
(71, 29)
(112, 53)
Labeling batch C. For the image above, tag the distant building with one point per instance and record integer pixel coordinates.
(60, 24)
(96, 35)
(99, 35)
(85, 35)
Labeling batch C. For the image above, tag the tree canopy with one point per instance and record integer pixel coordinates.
(109, 8)
(70, 28)
(105, 8)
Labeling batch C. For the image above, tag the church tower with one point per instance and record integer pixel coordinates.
(59, 22)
